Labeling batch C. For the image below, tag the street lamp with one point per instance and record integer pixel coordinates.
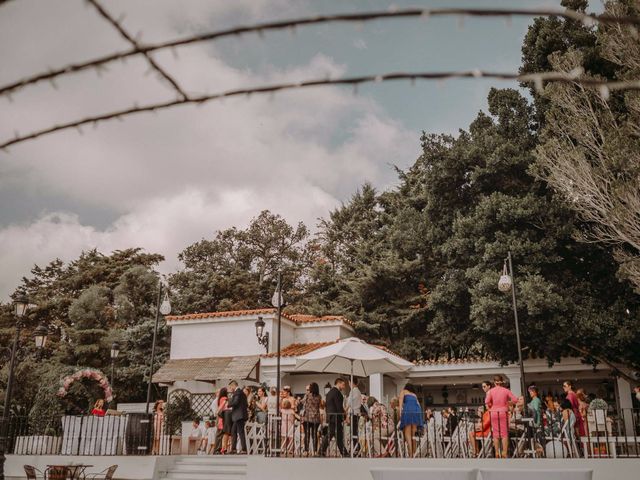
(263, 337)
(115, 351)
(278, 302)
(163, 308)
(40, 336)
(21, 306)
(505, 284)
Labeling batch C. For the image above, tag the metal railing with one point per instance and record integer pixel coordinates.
(381, 433)
(128, 434)
(465, 435)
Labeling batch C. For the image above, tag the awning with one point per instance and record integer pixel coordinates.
(208, 369)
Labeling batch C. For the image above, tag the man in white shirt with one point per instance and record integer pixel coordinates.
(354, 403)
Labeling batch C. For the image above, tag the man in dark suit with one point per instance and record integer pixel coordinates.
(239, 414)
(335, 417)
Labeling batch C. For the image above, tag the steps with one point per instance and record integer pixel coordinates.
(219, 467)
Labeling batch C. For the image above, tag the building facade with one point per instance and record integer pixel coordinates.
(209, 349)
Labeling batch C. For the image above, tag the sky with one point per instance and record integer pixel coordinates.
(164, 181)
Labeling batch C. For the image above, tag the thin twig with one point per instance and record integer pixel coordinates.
(137, 46)
(319, 19)
(354, 81)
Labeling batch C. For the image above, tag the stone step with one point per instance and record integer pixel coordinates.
(214, 476)
(205, 474)
(184, 466)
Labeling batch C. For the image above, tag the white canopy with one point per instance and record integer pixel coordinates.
(352, 356)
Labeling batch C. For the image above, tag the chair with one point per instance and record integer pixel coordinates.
(106, 474)
(32, 472)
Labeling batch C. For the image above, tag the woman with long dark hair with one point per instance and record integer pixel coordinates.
(410, 417)
(224, 419)
(311, 417)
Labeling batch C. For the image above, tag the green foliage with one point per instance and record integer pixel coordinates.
(177, 411)
(237, 269)
(88, 303)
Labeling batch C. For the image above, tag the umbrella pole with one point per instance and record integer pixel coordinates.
(351, 413)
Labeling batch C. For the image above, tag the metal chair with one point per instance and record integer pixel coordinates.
(32, 472)
(106, 474)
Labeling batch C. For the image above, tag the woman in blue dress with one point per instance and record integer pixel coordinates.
(410, 417)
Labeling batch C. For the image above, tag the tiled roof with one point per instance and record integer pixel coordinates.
(206, 369)
(302, 318)
(452, 361)
(295, 317)
(231, 313)
(296, 349)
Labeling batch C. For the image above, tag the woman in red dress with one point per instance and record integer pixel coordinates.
(567, 386)
(98, 409)
(497, 401)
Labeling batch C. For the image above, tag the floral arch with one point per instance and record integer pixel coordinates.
(90, 374)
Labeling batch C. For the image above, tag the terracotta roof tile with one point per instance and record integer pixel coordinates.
(231, 313)
(296, 349)
(297, 318)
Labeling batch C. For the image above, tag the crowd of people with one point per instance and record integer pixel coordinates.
(308, 424)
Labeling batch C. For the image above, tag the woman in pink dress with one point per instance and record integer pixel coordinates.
(497, 401)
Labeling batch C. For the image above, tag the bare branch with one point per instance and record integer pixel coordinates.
(201, 99)
(137, 46)
(588, 19)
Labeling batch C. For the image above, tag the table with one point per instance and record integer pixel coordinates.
(66, 472)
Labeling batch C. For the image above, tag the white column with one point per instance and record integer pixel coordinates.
(623, 390)
(376, 386)
(514, 383)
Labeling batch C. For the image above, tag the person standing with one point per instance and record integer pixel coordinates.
(261, 406)
(410, 417)
(567, 386)
(224, 422)
(311, 418)
(335, 417)
(239, 414)
(535, 406)
(158, 426)
(497, 401)
(354, 403)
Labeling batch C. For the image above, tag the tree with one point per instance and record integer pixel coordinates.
(87, 303)
(417, 266)
(237, 269)
(589, 150)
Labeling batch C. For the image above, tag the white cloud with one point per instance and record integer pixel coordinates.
(182, 174)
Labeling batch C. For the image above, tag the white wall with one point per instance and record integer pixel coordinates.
(225, 337)
(132, 467)
(317, 333)
(261, 468)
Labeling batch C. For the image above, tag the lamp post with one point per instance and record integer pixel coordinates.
(277, 302)
(115, 351)
(21, 306)
(263, 337)
(506, 283)
(163, 308)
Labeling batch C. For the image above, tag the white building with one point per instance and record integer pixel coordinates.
(209, 349)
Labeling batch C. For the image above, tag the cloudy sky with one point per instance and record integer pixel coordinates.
(167, 180)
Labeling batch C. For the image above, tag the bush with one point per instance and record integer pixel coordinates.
(178, 410)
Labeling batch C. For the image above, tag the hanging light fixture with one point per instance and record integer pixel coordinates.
(165, 307)
(505, 283)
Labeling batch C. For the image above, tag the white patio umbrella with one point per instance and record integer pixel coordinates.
(352, 356)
